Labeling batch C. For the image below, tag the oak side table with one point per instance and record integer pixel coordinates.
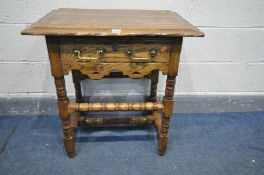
(95, 44)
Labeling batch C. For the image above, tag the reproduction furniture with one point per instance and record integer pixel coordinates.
(96, 43)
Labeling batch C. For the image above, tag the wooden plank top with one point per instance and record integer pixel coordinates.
(84, 22)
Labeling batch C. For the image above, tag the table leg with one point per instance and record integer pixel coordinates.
(76, 75)
(154, 78)
(168, 109)
(62, 102)
(169, 93)
(65, 118)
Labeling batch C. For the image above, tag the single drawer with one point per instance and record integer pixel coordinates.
(114, 50)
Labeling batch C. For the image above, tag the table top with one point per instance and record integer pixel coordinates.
(84, 22)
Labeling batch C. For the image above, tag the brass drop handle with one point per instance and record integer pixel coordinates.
(153, 52)
(101, 52)
(129, 53)
(77, 53)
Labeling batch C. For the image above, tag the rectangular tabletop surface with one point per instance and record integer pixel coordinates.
(84, 22)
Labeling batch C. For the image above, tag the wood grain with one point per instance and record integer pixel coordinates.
(84, 22)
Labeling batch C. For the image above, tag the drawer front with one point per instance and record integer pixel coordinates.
(113, 51)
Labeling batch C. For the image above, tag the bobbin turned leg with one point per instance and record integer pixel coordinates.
(169, 93)
(154, 78)
(168, 109)
(76, 76)
(65, 118)
(56, 70)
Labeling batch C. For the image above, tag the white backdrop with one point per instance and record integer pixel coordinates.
(228, 60)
